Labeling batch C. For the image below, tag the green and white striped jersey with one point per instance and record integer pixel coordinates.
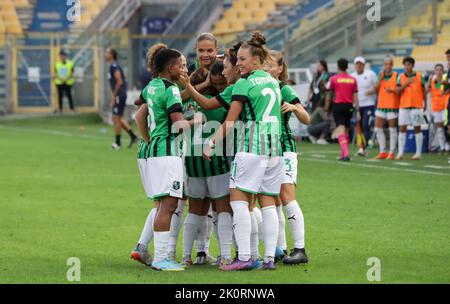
(163, 98)
(261, 114)
(195, 165)
(142, 149)
(288, 95)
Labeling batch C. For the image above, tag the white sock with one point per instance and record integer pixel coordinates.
(381, 139)
(175, 226)
(161, 244)
(419, 143)
(242, 228)
(191, 227)
(200, 241)
(441, 137)
(258, 215)
(401, 143)
(393, 137)
(296, 223)
(254, 237)
(271, 226)
(147, 232)
(281, 242)
(225, 230)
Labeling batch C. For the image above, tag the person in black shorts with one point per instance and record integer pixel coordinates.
(119, 97)
(344, 87)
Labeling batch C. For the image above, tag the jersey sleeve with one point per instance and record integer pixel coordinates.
(225, 97)
(241, 90)
(289, 95)
(330, 84)
(172, 97)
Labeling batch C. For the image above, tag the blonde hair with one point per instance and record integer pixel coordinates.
(279, 59)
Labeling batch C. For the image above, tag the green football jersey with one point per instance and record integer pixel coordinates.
(142, 149)
(196, 165)
(261, 114)
(288, 95)
(163, 98)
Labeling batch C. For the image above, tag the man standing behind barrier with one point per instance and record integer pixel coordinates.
(367, 81)
(64, 79)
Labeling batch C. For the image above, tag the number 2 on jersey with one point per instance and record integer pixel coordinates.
(273, 98)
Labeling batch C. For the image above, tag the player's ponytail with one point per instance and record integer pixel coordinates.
(257, 46)
(231, 53)
(278, 57)
(151, 54)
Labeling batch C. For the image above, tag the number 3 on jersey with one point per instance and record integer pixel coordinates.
(151, 115)
(273, 99)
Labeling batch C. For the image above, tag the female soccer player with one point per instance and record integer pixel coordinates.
(164, 158)
(258, 166)
(291, 104)
(223, 100)
(119, 97)
(207, 181)
(387, 109)
(206, 52)
(411, 87)
(140, 252)
(439, 99)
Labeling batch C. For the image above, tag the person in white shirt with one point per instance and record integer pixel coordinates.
(367, 80)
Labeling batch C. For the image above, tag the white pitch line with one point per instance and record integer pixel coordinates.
(403, 164)
(52, 132)
(318, 156)
(376, 167)
(436, 167)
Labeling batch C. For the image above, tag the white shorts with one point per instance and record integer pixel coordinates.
(438, 117)
(257, 173)
(142, 165)
(386, 115)
(290, 166)
(410, 117)
(167, 178)
(213, 187)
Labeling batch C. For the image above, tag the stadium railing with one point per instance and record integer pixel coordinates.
(190, 20)
(333, 34)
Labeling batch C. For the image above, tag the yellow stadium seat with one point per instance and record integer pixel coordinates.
(260, 16)
(237, 26)
(268, 6)
(230, 14)
(244, 15)
(286, 2)
(239, 5)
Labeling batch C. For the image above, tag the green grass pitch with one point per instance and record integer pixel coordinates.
(64, 193)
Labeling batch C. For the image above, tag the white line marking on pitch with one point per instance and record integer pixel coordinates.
(53, 132)
(318, 156)
(376, 167)
(402, 164)
(436, 167)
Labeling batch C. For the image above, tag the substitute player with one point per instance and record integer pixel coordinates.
(258, 165)
(387, 109)
(291, 104)
(439, 100)
(345, 90)
(412, 91)
(164, 158)
(119, 97)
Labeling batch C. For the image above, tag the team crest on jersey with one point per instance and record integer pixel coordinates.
(176, 92)
(176, 185)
